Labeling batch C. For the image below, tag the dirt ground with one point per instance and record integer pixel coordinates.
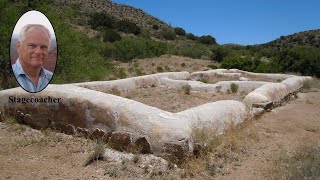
(176, 100)
(31, 154)
(285, 129)
(165, 63)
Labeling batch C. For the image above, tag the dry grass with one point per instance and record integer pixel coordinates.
(175, 100)
(220, 152)
(311, 85)
(304, 163)
(165, 63)
(97, 152)
(260, 78)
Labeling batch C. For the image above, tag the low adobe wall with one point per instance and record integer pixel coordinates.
(124, 123)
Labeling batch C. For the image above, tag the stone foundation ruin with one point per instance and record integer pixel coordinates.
(89, 108)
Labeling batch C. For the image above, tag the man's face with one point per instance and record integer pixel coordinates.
(33, 50)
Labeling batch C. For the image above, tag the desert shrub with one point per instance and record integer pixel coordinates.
(183, 64)
(132, 48)
(301, 59)
(209, 40)
(168, 34)
(191, 36)
(122, 74)
(212, 66)
(139, 72)
(186, 89)
(155, 27)
(218, 53)
(234, 87)
(160, 69)
(97, 154)
(167, 68)
(111, 36)
(128, 27)
(9, 14)
(192, 52)
(304, 163)
(79, 57)
(135, 158)
(248, 64)
(145, 34)
(179, 31)
(102, 20)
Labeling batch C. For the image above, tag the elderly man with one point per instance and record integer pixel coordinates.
(32, 46)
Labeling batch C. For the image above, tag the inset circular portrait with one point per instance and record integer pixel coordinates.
(33, 51)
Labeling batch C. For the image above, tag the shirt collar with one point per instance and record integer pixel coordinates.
(20, 70)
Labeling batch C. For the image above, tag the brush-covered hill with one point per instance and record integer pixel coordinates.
(94, 36)
(122, 12)
(310, 38)
(97, 34)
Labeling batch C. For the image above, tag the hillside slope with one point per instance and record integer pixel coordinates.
(119, 11)
(311, 38)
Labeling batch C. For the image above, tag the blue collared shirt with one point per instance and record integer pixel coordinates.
(25, 81)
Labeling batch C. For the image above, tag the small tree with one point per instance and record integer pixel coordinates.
(191, 36)
(111, 36)
(128, 27)
(101, 19)
(168, 34)
(218, 53)
(179, 31)
(209, 40)
(234, 87)
(155, 27)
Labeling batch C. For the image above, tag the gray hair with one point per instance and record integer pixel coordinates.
(28, 26)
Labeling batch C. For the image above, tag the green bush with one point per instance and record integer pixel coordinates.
(186, 89)
(234, 87)
(155, 27)
(121, 73)
(168, 34)
(134, 48)
(160, 69)
(128, 27)
(9, 15)
(209, 40)
(179, 31)
(192, 52)
(218, 53)
(139, 72)
(191, 36)
(111, 36)
(301, 59)
(102, 20)
(248, 64)
(212, 66)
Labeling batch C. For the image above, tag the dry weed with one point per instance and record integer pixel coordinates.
(98, 152)
(304, 163)
(221, 151)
